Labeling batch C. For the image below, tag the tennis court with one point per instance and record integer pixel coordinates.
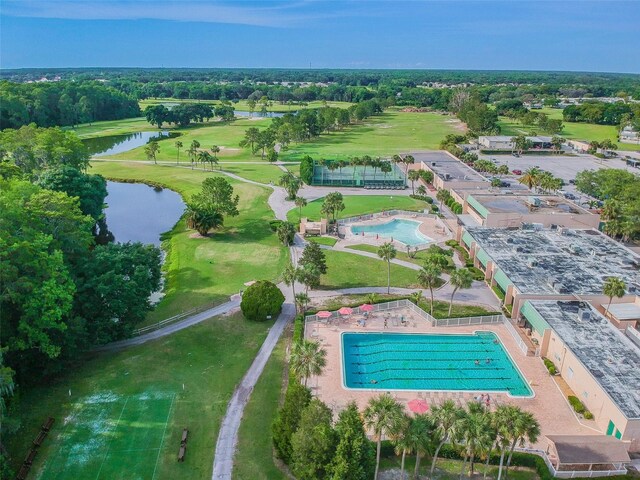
(110, 436)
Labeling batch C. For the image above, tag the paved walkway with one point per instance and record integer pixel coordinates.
(227, 307)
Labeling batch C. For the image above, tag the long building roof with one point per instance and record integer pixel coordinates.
(558, 261)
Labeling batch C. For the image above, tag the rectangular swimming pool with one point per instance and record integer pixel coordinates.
(401, 361)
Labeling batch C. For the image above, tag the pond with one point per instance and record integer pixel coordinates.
(256, 114)
(139, 213)
(112, 144)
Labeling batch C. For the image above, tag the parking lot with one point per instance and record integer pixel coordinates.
(565, 167)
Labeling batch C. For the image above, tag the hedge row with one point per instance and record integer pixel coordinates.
(550, 366)
(579, 407)
(424, 198)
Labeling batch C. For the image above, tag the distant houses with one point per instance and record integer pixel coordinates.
(504, 143)
(629, 135)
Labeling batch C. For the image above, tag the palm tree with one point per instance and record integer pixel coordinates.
(442, 196)
(202, 219)
(402, 441)
(178, 145)
(355, 162)
(611, 210)
(376, 164)
(421, 437)
(372, 298)
(613, 287)
(387, 252)
(429, 277)
(530, 178)
(290, 276)
(366, 162)
(407, 160)
(193, 151)
(204, 157)
(475, 434)
(385, 167)
(291, 184)
(300, 202)
(503, 420)
(525, 427)
(446, 418)
(460, 278)
(557, 142)
(151, 150)
(302, 300)
(421, 188)
(308, 358)
(215, 150)
(381, 416)
(414, 175)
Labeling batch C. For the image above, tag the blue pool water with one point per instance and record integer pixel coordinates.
(405, 231)
(400, 361)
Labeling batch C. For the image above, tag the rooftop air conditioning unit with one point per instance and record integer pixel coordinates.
(575, 249)
(433, 164)
(532, 262)
(447, 176)
(537, 226)
(584, 314)
(563, 231)
(559, 287)
(509, 240)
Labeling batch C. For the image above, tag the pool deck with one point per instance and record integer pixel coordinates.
(432, 228)
(548, 403)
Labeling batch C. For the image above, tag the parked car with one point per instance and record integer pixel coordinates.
(572, 181)
(516, 172)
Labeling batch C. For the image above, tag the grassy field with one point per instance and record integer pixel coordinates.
(200, 270)
(256, 172)
(112, 127)
(348, 270)
(126, 412)
(254, 454)
(572, 130)
(418, 259)
(360, 205)
(383, 135)
(328, 241)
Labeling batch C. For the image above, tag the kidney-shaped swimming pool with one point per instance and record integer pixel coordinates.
(405, 231)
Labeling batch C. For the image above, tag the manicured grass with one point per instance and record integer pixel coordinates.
(447, 469)
(258, 173)
(154, 390)
(572, 131)
(441, 309)
(348, 270)
(329, 241)
(254, 455)
(382, 135)
(112, 127)
(200, 270)
(226, 135)
(360, 205)
(418, 259)
(355, 300)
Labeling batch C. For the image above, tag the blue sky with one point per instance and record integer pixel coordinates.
(477, 34)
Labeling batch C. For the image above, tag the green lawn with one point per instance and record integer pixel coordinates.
(112, 127)
(226, 135)
(328, 241)
(441, 309)
(360, 205)
(258, 173)
(383, 135)
(348, 270)
(199, 270)
(418, 259)
(448, 469)
(254, 454)
(126, 412)
(572, 130)
(243, 105)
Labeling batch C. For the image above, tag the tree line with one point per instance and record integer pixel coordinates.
(63, 288)
(185, 113)
(305, 125)
(603, 113)
(62, 103)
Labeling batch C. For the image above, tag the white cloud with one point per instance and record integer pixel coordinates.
(265, 13)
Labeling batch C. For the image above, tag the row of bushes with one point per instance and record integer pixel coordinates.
(550, 366)
(424, 198)
(579, 407)
(454, 206)
(498, 292)
(476, 273)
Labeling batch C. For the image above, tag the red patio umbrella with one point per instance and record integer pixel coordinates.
(417, 405)
(345, 311)
(366, 308)
(323, 314)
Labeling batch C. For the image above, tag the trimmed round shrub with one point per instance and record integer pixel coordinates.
(260, 300)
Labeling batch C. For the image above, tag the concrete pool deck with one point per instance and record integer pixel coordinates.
(548, 404)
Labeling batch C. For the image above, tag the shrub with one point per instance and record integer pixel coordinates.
(274, 224)
(588, 415)
(476, 273)
(287, 420)
(434, 209)
(424, 198)
(552, 370)
(579, 407)
(451, 243)
(306, 169)
(498, 292)
(260, 300)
